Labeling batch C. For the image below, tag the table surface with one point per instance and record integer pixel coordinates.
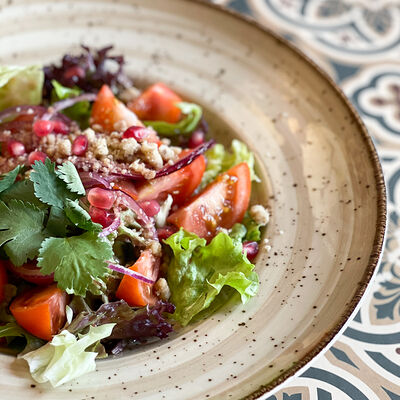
(358, 43)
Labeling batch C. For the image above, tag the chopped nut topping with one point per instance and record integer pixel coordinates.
(260, 214)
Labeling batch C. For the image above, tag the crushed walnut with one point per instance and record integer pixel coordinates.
(110, 153)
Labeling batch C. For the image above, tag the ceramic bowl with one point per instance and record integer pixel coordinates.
(321, 179)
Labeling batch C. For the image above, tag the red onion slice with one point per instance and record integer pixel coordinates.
(21, 110)
(93, 179)
(183, 162)
(169, 169)
(129, 272)
(62, 104)
(111, 228)
(142, 217)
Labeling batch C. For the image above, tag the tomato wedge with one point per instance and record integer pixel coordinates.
(157, 103)
(3, 280)
(31, 273)
(41, 311)
(108, 110)
(180, 184)
(221, 204)
(135, 292)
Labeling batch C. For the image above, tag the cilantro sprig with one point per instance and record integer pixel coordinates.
(42, 217)
(49, 187)
(75, 261)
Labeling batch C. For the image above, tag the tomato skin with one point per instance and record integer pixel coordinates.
(157, 103)
(31, 273)
(3, 280)
(180, 184)
(221, 204)
(135, 292)
(107, 110)
(41, 311)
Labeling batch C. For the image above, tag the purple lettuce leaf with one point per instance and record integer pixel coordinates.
(88, 71)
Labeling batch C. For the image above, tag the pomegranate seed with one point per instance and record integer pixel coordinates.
(197, 138)
(136, 132)
(60, 127)
(101, 198)
(36, 156)
(15, 148)
(150, 207)
(251, 249)
(102, 217)
(74, 73)
(166, 232)
(43, 127)
(80, 145)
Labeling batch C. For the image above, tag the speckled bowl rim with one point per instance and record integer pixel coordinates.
(381, 202)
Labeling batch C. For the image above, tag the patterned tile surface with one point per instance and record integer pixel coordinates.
(358, 43)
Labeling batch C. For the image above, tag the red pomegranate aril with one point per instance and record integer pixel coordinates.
(80, 145)
(36, 156)
(60, 127)
(251, 249)
(197, 138)
(74, 73)
(150, 207)
(15, 148)
(43, 127)
(136, 132)
(166, 231)
(102, 217)
(101, 198)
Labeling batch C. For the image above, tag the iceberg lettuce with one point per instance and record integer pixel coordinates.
(65, 358)
(220, 160)
(20, 85)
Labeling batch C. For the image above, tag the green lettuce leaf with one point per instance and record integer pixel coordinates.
(248, 230)
(64, 358)
(186, 125)
(197, 272)
(220, 160)
(12, 330)
(79, 112)
(20, 85)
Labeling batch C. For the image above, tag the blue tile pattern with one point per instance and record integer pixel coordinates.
(358, 43)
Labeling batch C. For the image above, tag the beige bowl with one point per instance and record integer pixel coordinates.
(321, 179)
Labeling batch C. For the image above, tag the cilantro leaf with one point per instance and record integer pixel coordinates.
(22, 190)
(21, 230)
(48, 187)
(9, 178)
(76, 261)
(57, 223)
(80, 217)
(68, 173)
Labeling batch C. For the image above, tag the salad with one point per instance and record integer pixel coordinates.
(120, 220)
